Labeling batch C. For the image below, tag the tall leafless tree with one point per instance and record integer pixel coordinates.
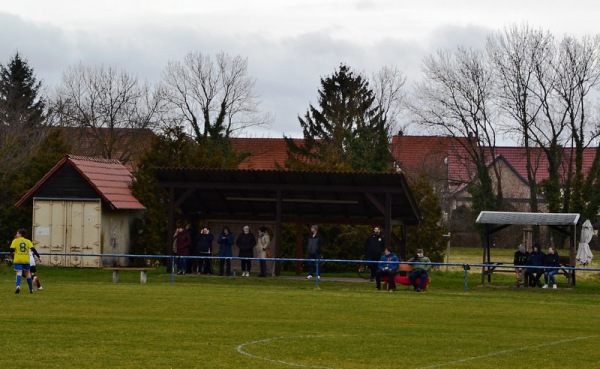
(388, 86)
(215, 97)
(522, 57)
(109, 105)
(455, 99)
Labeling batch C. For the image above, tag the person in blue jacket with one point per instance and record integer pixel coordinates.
(225, 242)
(388, 266)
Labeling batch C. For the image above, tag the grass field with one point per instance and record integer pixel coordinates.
(83, 320)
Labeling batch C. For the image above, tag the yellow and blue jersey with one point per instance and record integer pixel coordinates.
(21, 246)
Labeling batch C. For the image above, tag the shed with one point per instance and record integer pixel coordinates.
(83, 205)
(495, 221)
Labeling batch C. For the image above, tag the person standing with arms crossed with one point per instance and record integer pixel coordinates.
(19, 251)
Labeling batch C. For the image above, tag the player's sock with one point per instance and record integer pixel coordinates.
(18, 280)
(30, 284)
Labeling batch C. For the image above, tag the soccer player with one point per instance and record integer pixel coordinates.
(33, 269)
(19, 251)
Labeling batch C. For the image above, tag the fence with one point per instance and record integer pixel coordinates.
(172, 259)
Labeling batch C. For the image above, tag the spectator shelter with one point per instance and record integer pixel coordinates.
(495, 221)
(299, 197)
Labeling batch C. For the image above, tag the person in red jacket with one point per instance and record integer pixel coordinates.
(183, 241)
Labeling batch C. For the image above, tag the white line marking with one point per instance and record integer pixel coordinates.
(505, 352)
(240, 349)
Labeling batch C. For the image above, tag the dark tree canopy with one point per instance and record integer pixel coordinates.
(346, 131)
(21, 105)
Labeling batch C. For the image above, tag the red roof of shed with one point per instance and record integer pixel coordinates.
(108, 177)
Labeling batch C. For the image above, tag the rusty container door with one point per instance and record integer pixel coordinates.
(83, 233)
(67, 230)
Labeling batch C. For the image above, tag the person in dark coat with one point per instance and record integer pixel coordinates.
(537, 258)
(225, 242)
(552, 260)
(374, 247)
(246, 242)
(205, 240)
(313, 248)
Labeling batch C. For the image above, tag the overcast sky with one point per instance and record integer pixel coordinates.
(290, 44)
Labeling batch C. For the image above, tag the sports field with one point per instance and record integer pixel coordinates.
(83, 320)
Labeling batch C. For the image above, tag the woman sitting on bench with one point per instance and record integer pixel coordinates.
(387, 267)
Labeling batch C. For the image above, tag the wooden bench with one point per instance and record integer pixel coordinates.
(116, 270)
(509, 268)
(402, 277)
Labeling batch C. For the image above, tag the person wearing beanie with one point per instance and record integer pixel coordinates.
(420, 270)
(521, 259)
(537, 259)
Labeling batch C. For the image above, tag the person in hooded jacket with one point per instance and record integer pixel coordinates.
(521, 259)
(537, 258)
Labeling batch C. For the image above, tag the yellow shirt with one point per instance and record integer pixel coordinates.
(21, 247)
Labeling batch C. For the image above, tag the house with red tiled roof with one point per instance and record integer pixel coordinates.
(445, 161)
(83, 206)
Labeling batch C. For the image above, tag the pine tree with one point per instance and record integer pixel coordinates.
(347, 130)
(21, 105)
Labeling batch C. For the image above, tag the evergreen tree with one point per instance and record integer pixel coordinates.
(21, 105)
(347, 130)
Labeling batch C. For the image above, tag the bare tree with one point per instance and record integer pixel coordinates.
(522, 58)
(215, 98)
(388, 86)
(455, 99)
(577, 75)
(111, 106)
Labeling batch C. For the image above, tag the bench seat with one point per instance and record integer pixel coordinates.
(404, 280)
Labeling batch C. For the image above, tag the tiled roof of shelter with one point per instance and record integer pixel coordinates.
(108, 177)
(264, 153)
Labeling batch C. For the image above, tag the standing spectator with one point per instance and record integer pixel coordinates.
(552, 260)
(537, 259)
(33, 270)
(374, 247)
(313, 248)
(246, 242)
(521, 259)
(183, 241)
(262, 246)
(19, 252)
(388, 266)
(205, 240)
(420, 270)
(225, 242)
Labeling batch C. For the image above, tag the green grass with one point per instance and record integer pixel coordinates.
(83, 320)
